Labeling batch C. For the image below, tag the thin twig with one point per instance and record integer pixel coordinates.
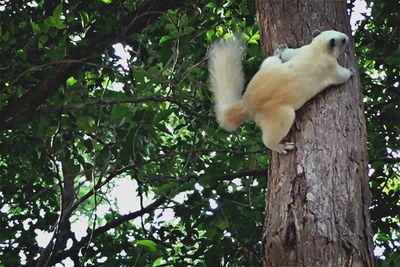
(113, 101)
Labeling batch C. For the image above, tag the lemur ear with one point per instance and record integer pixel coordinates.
(315, 33)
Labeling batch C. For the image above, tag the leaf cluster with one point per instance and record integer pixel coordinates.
(95, 93)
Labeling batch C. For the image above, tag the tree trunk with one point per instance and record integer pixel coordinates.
(318, 196)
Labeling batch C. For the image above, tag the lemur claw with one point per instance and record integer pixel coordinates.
(352, 70)
(284, 148)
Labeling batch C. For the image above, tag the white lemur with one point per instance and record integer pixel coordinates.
(282, 85)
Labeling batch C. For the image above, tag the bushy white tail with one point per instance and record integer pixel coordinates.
(227, 82)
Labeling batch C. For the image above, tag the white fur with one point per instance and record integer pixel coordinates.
(283, 84)
(226, 76)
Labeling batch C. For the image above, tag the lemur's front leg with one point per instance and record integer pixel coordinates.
(342, 74)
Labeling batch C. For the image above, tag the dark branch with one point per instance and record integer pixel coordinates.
(219, 177)
(111, 101)
(386, 160)
(202, 151)
(150, 208)
(112, 175)
(230, 176)
(22, 109)
(61, 255)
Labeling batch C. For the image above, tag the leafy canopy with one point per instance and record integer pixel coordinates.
(98, 92)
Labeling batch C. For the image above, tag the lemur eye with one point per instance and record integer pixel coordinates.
(343, 40)
(332, 43)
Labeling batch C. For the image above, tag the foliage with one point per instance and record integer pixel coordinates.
(379, 53)
(98, 92)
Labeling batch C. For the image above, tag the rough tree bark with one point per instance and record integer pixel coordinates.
(318, 197)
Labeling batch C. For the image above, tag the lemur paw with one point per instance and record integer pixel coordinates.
(280, 49)
(283, 148)
(352, 70)
(289, 146)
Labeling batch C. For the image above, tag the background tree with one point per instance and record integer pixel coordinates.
(96, 96)
(318, 198)
(377, 43)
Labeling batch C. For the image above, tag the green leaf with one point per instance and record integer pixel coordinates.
(85, 122)
(165, 188)
(5, 37)
(119, 112)
(165, 39)
(85, 18)
(35, 27)
(394, 58)
(56, 20)
(59, 24)
(107, 1)
(157, 262)
(22, 24)
(45, 26)
(221, 223)
(52, 31)
(22, 54)
(149, 244)
(188, 30)
(211, 5)
(228, 35)
(184, 20)
(138, 76)
(71, 81)
(210, 34)
(58, 11)
(246, 36)
(57, 53)
(171, 12)
(254, 39)
(16, 211)
(43, 39)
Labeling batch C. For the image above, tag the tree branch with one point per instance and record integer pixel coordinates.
(202, 151)
(219, 177)
(230, 176)
(124, 218)
(22, 109)
(386, 160)
(112, 175)
(111, 101)
(103, 229)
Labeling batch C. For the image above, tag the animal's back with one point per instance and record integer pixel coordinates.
(290, 84)
(271, 88)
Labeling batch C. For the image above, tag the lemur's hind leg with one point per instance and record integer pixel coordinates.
(281, 55)
(285, 53)
(275, 126)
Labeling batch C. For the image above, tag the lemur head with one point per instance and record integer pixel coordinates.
(334, 42)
